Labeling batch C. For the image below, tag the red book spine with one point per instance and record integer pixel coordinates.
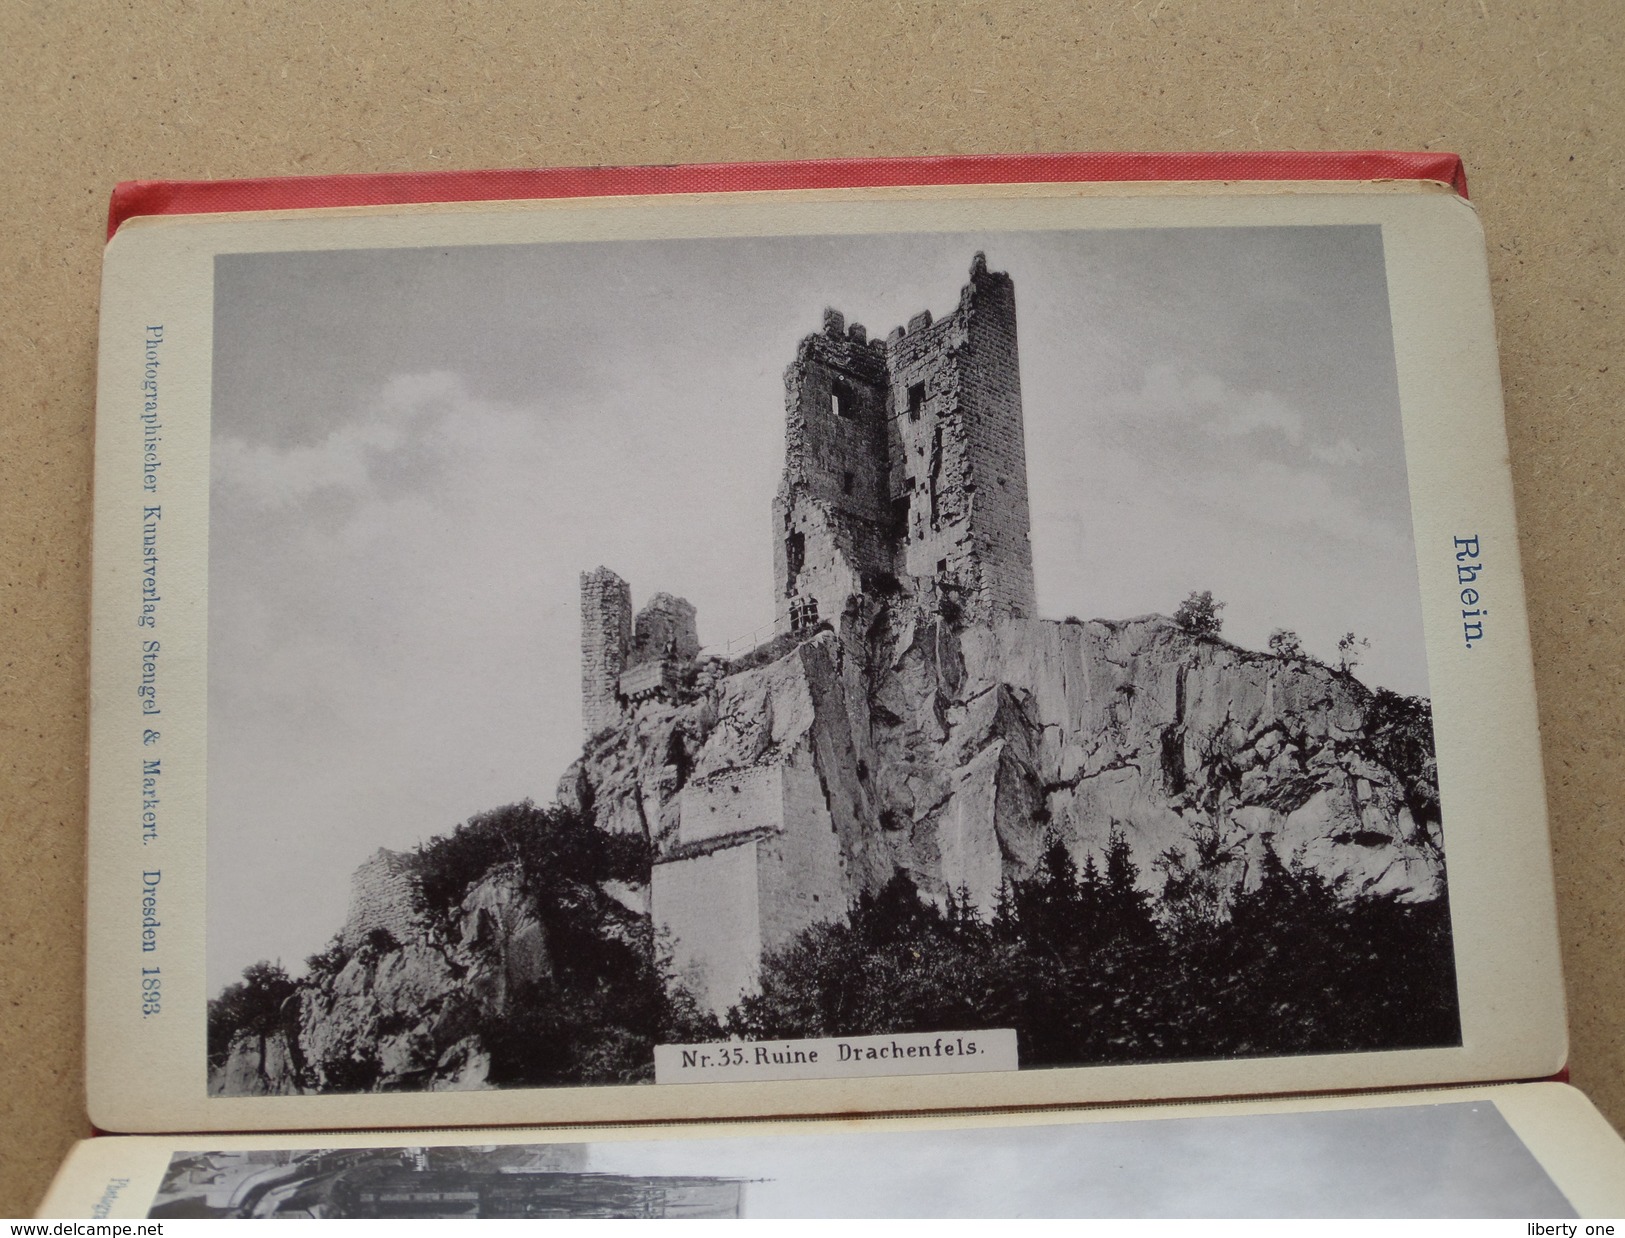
(133, 198)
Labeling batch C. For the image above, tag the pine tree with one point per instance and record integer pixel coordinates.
(1127, 908)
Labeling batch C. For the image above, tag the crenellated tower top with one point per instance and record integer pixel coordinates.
(905, 462)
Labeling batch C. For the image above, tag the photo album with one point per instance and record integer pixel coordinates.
(1534, 1150)
(885, 637)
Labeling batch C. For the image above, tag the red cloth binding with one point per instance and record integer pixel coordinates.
(133, 198)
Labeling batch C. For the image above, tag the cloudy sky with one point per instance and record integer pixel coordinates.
(416, 452)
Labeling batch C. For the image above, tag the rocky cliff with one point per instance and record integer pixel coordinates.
(398, 1014)
(520, 949)
(902, 740)
(959, 750)
(762, 798)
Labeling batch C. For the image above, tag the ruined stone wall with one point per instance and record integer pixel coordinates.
(706, 914)
(835, 420)
(803, 876)
(666, 627)
(658, 677)
(959, 452)
(833, 516)
(991, 402)
(908, 460)
(735, 801)
(904, 469)
(384, 894)
(606, 637)
(822, 555)
(770, 838)
(932, 465)
(761, 862)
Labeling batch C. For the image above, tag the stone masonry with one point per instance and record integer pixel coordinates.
(905, 478)
(905, 464)
(384, 894)
(606, 636)
(626, 660)
(666, 628)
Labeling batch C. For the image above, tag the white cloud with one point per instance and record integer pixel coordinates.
(1341, 454)
(1139, 509)
(394, 618)
(1168, 397)
(351, 458)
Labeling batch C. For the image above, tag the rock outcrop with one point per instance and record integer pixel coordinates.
(775, 795)
(400, 1014)
(914, 716)
(774, 792)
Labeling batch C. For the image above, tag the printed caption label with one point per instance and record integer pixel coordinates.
(838, 1057)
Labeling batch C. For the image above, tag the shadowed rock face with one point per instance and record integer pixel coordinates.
(400, 1014)
(259, 1065)
(775, 795)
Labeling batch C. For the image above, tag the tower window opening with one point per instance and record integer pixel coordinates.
(916, 401)
(846, 483)
(842, 402)
(899, 516)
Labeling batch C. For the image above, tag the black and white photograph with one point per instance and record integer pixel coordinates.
(626, 643)
(511, 1181)
(1445, 1160)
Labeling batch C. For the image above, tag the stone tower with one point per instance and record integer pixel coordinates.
(666, 627)
(906, 465)
(905, 476)
(625, 660)
(832, 517)
(606, 637)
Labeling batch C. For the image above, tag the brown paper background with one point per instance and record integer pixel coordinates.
(97, 92)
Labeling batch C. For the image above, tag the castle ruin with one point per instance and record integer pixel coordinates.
(905, 464)
(385, 894)
(911, 716)
(626, 660)
(905, 484)
(905, 470)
